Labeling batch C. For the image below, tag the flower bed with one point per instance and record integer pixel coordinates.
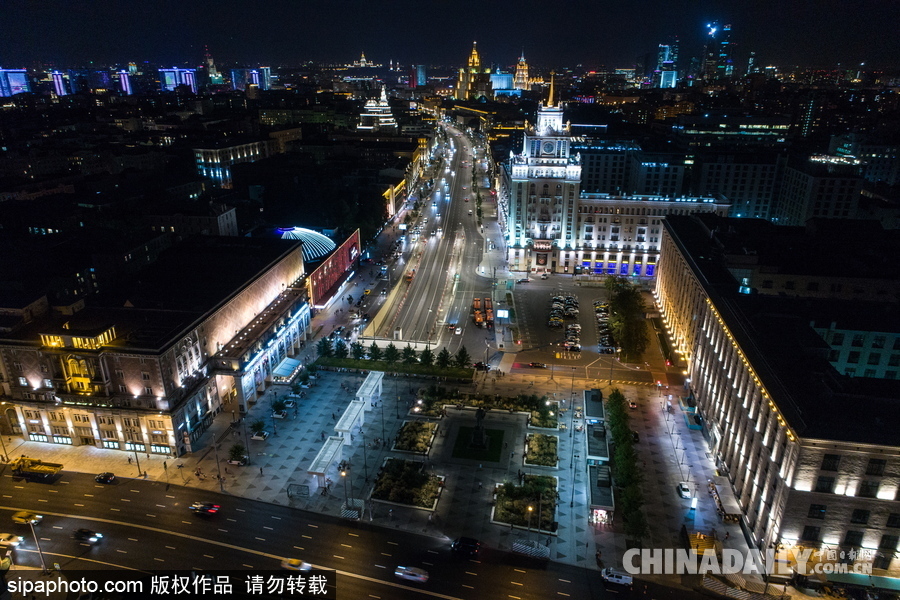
(415, 436)
(512, 502)
(406, 482)
(543, 413)
(541, 450)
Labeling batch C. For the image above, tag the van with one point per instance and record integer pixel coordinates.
(610, 576)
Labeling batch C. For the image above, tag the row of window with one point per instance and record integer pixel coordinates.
(875, 466)
(811, 533)
(858, 517)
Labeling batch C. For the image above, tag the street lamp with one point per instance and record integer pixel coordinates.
(530, 510)
(344, 477)
(218, 468)
(37, 543)
(365, 452)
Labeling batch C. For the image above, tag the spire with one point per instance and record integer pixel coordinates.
(383, 94)
(550, 99)
(474, 59)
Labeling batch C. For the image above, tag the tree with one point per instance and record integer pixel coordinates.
(635, 524)
(258, 426)
(409, 356)
(374, 352)
(278, 405)
(427, 357)
(340, 349)
(443, 358)
(237, 452)
(324, 348)
(391, 354)
(357, 351)
(462, 358)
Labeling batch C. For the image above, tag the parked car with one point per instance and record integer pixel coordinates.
(683, 489)
(289, 404)
(106, 477)
(611, 576)
(411, 574)
(261, 436)
(632, 404)
(523, 280)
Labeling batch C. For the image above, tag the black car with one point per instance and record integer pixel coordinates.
(105, 478)
(87, 536)
(465, 546)
(537, 365)
(480, 366)
(205, 508)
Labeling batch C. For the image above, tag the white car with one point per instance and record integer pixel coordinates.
(458, 330)
(295, 564)
(411, 574)
(684, 489)
(10, 539)
(260, 436)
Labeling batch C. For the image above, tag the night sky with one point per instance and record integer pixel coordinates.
(552, 34)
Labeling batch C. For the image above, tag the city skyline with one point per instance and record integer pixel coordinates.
(593, 34)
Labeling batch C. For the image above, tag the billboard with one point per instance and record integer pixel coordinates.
(325, 279)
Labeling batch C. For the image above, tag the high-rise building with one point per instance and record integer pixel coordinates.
(169, 79)
(473, 81)
(261, 78)
(666, 73)
(417, 77)
(14, 81)
(819, 187)
(59, 83)
(215, 78)
(718, 62)
(125, 82)
(377, 116)
(521, 80)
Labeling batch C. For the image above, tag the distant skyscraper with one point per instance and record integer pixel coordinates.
(261, 77)
(473, 81)
(666, 73)
(169, 79)
(718, 62)
(215, 78)
(751, 63)
(125, 82)
(14, 81)
(240, 78)
(59, 83)
(521, 80)
(417, 76)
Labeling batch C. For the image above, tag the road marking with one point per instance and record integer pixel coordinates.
(269, 528)
(565, 581)
(186, 522)
(79, 504)
(433, 551)
(354, 534)
(232, 520)
(41, 500)
(381, 566)
(274, 517)
(299, 548)
(471, 573)
(311, 525)
(86, 495)
(132, 539)
(121, 551)
(336, 556)
(376, 597)
(161, 505)
(248, 566)
(170, 547)
(168, 496)
(208, 556)
(115, 509)
(240, 510)
(469, 586)
(46, 539)
(563, 594)
(258, 538)
(57, 527)
(516, 597)
(516, 583)
(428, 563)
(309, 537)
(135, 491)
(125, 500)
(7, 496)
(346, 545)
(53, 491)
(393, 543)
(385, 554)
(149, 515)
(519, 571)
(159, 560)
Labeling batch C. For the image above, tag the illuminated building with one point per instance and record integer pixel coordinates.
(14, 81)
(364, 63)
(215, 160)
(718, 62)
(811, 456)
(125, 82)
(521, 81)
(417, 77)
(59, 83)
(169, 79)
(473, 81)
(215, 78)
(818, 187)
(261, 78)
(723, 130)
(202, 332)
(376, 115)
(666, 73)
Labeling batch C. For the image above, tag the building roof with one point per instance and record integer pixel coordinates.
(315, 245)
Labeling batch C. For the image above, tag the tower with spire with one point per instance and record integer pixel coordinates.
(473, 80)
(544, 182)
(521, 80)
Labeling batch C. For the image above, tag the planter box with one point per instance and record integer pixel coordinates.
(394, 503)
(430, 442)
(555, 465)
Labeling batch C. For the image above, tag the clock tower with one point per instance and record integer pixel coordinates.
(544, 185)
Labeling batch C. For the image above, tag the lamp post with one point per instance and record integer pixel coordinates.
(365, 452)
(573, 387)
(37, 544)
(530, 510)
(218, 468)
(2, 443)
(344, 477)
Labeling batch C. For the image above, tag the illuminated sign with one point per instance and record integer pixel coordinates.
(542, 244)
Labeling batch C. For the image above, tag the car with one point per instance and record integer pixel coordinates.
(632, 404)
(367, 292)
(635, 437)
(467, 199)
(106, 477)
(544, 276)
(260, 437)
(683, 489)
(290, 404)
(10, 539)
(295, 564)
(480, 366)
(611, 576)
(411, 574)
(279, 414)
(205, 508)
(384, 291)
(523, 280)
(86, 536)
(537, 365)
(25, 517)
(458, 330)
(465, 546)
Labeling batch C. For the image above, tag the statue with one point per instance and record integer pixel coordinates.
(479, 437)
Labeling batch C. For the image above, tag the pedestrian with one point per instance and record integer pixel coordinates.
(333, 418)
(226, 471)
(505, 445)
(129, 460)
(323, 436)
(260, 471)
(727, 534)
(511, 455)
(479, 485)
